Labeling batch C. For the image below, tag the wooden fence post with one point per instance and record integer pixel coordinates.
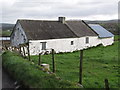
(20, 50)
(106, 84)
(80, 69)
(24, 51)
(53, 61)
(12, 48)
(6, 47)
(39, 61)
(28, 52)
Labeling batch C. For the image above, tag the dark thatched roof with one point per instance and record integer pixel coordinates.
(80, 28)
(42, 30)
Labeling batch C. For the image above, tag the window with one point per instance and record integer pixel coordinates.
(72, 42)
(43, 45)
(87, 39)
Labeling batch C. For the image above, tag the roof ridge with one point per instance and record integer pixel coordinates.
(35, 20)
(45, 20)
(74, 20)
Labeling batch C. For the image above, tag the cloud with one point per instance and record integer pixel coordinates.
(51, 9)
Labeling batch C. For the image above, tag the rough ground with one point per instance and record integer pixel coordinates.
(7, 81)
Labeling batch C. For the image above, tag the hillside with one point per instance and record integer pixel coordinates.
(102, 21)
(6, 26)
(6, 29)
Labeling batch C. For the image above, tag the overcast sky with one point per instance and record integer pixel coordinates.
(52, 9)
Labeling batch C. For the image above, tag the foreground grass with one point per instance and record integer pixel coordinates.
(30, 75)
(98, 63)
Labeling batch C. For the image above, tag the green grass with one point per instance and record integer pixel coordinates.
(117, 37)
(98, 63)
(30, 75)
(5, 33)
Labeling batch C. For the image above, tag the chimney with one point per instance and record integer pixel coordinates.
(61, 19)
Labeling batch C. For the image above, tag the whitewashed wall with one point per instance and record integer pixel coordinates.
(63, 45)
(59, 45)
(18, 36)
(93, 41)
(107, 41)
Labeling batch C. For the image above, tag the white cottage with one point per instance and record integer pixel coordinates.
(61, 35)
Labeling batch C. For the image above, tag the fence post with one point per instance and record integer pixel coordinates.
(12, 48)
(106, 84)
(39, 61)
(6, 47)
(53, 61)
(80, 69)
(24, 51)
(28, 52)
(20, 50)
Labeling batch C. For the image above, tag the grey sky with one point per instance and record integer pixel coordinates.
(51, 9)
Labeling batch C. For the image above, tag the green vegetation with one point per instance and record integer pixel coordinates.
(116, 38)
(5, 33)
(31, 75)
(112, 27)
(98, 63)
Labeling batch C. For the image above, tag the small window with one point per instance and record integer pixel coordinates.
(72, 42)
(87, 39)
(43, 45)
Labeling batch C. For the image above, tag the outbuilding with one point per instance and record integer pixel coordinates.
(105, 37)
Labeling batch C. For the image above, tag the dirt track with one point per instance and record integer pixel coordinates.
(7, 81)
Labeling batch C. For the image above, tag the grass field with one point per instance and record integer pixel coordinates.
(98, 63)
(5, 33)
(116, 38)
(31, 75)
